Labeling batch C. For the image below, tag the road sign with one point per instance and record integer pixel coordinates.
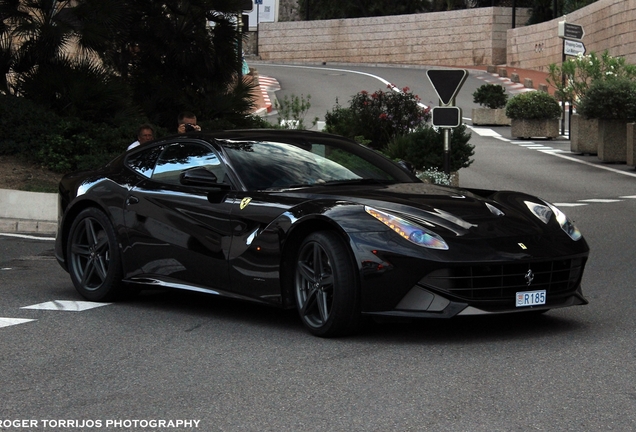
(447, 82)
(447, 117)
(573, 48)
(570, 31)
(258, 2)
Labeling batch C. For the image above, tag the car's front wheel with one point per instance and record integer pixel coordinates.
(94, 259)
(325, 286)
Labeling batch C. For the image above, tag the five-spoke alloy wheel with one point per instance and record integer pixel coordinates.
(325, 286)
(93, 255)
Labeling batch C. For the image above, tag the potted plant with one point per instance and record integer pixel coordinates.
(492, 99)
(572, 79)
(613, 103)
(534, 114)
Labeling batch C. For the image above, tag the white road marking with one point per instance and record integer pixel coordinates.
(6, 322)
(66, 305)
(25, 236)
(600, 200)
(569, 204)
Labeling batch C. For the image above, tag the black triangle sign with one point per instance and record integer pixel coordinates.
(447, 82)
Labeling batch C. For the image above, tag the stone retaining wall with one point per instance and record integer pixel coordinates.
(463, 38)
(456, 38)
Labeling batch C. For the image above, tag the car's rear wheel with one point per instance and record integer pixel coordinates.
(94, 259)
(325, 286)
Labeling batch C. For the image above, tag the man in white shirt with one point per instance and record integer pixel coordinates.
(145, 133)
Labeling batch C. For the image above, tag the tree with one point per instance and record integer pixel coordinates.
(335, 9)
(163, 57)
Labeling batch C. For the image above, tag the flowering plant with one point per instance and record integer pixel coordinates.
(573, 78)
(378, 117)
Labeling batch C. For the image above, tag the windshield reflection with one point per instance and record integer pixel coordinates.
(270, 165)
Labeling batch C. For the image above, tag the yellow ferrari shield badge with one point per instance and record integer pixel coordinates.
(245, 201)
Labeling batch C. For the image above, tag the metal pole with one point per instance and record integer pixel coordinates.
(447, 132)
(563, 85)
(257, 15)
(239, 43)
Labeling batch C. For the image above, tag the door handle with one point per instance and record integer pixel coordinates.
(132, 200)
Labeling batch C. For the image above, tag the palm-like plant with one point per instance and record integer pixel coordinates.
(165, 52)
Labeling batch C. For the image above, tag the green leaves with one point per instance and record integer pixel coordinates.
(491, 96)
(533, 105)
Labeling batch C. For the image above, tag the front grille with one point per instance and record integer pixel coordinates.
(503, 281)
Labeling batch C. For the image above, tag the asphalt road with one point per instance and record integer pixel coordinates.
(228, 365)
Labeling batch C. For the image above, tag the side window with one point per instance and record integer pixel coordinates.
(182, 156)
(144, 162)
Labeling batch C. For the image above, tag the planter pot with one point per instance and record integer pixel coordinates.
(524, 128)
(631, 145)
(612, 140)
(490, 117)
(583, 135)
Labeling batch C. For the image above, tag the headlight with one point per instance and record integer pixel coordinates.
(408, 230)
(545, 211)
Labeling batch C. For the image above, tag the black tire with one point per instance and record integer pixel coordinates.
(94, 259)
(325, 286)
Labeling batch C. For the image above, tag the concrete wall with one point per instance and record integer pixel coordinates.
(28, 205)
(456, 38)
(464, 38)
(608, 25)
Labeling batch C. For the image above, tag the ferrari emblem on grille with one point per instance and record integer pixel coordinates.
(522, 246)
(529, 277)
(245, 202)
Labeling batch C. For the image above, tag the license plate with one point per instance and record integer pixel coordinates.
(530, 298)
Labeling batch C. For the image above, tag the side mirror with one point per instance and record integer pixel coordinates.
(201, 177)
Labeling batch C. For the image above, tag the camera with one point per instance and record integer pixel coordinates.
(189, 127)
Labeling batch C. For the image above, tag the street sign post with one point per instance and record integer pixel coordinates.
(573, 48)
(447, 117)
(570, 31)
(447, 83)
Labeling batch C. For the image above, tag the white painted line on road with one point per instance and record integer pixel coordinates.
(24, 236)
(6, 322)
(66, 305)
(529, 145)
(485, 132)
(631, 174)
(382, 80)
(569, 204)
(500, 138)
(600, 200)
(629, 197)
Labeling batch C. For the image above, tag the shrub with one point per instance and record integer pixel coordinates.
(424, 148)
(292, 111)
(533, 105)
(491, 96)
(378, 117)
(613, 99)
(572, 78)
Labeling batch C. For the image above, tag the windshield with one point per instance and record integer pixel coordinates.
(274, 165)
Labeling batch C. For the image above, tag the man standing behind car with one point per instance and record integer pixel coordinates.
(187, 123)
(145, 133)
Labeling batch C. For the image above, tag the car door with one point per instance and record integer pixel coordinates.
(179, 234)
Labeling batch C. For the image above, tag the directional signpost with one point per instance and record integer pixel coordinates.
(572, 46)
(570, 31)
(447, 83)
